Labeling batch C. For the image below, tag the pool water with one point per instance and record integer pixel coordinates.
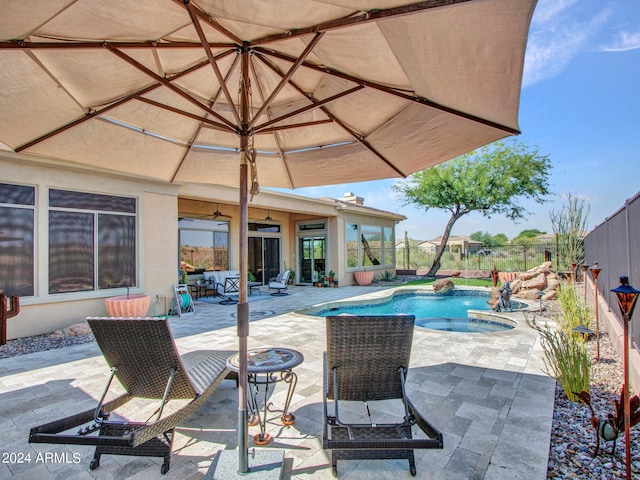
(462, 325)
(422, 306)
(437, 312)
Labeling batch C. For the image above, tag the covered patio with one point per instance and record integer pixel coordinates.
(485, 392)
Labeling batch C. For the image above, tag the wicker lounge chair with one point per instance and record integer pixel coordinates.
(366, 360)
(143, 357)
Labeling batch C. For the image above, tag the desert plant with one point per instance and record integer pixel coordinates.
(386, 276)
(570, 225)
(575, 312)
(566, 359)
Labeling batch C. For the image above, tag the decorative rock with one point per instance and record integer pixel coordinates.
(77, 329)
(443, 285)
(529, 284)
(538, 282)
(530, 294)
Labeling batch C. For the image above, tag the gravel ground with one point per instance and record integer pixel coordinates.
(40, 343)
(572, 436)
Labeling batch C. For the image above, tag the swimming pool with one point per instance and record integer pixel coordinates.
(438, 312)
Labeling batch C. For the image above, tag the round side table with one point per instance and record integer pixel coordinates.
(265, 367)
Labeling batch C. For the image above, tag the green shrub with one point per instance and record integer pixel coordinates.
(575, 312)
(386, 276)
(566, 359)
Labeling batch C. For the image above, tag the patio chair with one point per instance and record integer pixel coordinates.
(366, 360)
(231, 287)
(143, 356)
(280, 283)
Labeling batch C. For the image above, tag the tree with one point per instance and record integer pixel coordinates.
(500, 239)
(489, 240)
(527, 237)
(480, 236)
(570, 227)
(489, 180)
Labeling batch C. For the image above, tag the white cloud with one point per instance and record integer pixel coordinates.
(623, 41)
(546, 10)
(556, 37)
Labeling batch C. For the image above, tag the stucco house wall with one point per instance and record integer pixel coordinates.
(157, 243)
(159, 205)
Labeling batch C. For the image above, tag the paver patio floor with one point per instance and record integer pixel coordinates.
(485, 392)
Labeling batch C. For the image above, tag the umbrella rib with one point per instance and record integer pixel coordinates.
(315, 104)
(210, 123)
(200, 126)
(287, 77)
(88, 116)
(211, 21)
(167, 83)
(212, 60)
(333, 118)
(117, 103)
(294, 125)
(370, 16)
(412, 98)
(275, 137)
(73, 45)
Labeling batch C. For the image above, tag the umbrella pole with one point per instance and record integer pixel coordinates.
(243, 323)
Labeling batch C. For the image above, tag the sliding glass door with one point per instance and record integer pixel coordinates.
(313, 257)
(264, 258)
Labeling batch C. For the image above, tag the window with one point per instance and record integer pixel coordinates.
(264, 227)
(204, 245)
(17, 207)
(92, 241)
(304, 227)
(389, 251)
(369, 245)
(351, 236)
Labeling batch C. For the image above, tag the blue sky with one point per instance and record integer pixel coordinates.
(580, 105)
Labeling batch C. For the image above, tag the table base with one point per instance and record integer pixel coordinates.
(258, 415)
(264, 464)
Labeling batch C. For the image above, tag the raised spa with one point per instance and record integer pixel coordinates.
(437, 312)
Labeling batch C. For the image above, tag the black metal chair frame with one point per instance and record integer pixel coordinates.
(371, 440)
(231, 285)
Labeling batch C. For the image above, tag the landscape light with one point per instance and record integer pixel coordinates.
(627, 297)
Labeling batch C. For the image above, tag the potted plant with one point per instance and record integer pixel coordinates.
(363, 277)
(331, 276)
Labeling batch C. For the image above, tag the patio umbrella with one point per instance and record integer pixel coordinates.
(284, 93)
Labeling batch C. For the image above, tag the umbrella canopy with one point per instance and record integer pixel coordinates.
(296, 92)
(334, 94)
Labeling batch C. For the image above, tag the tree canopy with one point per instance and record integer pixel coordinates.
(491, 180)
(527, 236)
(489, 240)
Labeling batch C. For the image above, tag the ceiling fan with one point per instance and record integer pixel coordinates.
(268, 218)
(215, 215)
(218, 213)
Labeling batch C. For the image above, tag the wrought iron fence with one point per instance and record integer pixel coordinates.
(508, 258)
(615, 245)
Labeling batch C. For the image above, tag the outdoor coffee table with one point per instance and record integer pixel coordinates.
(265, 367)
(254, 286)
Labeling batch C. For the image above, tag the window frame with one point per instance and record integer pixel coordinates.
(19, 204)
(367, 228)
(128, 202)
